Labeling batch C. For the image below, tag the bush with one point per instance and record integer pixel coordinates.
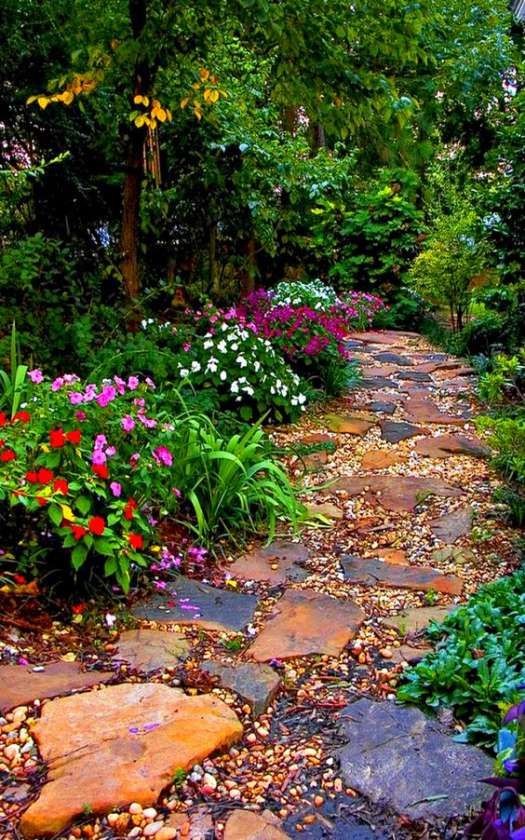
(478, 664)
(86, 472)
(406, 311)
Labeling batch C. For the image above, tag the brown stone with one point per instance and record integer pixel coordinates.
(378, 370)
(453, 554)
(349, 424)
(151, 650)
(314, 438)
(397, 492)
(380, 459)
(20, 684)
(413, 655)
(442, 446)
(416, 619)
(391, 337)
(305, 622)
(451, 372)
(118, 745)
(326, 509)
(314, 460)
(392, 555)
(424, 410)
(276, 563)
(247, 825)
(451, 526)
(395, 431)
(373, 572)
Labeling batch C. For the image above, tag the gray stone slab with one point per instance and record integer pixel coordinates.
(254, 682)
(394, 359)
(451, 526)
(189, 602)
(394, 432)
(398, 757)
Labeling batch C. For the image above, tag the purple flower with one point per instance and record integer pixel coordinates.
(163, 456)
(108, 394)
(98, 457)
(36, 376)
(133, 383)
(75, 398)
(111, 451)
(127, 423)
(116, 489)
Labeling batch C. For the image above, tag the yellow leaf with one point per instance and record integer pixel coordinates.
(141, 100)
(213, 80)
(184, 102)
(204, 74)
(159, 114)
(31, 99)
(155, 103)
(151, 123)
(207, 95)
(168, 114)
(196, 85)
(43, 101)
(214, 95)
(233, 584)
(67, 97)
(69, 657)
(67, 513)
(45, 492)
(140, 120)
(198, 112)
(44, 447)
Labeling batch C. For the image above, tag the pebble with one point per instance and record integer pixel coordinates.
(152, 829)
(135, 832)
(149, 813)
(135, 808)
(235, 793)
(166, 833)
(210, 781)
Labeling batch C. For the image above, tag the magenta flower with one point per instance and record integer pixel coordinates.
(133, 383)
(98, 456)
(75, 398)
(116, 489)
(36, 376)
(163, 456)
(127, 423)
(107, 395)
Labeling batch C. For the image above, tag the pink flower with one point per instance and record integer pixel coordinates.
(134, 459)
(120, 385)
(80, 415)
(127, 423)
(176, 492)
(75, 398)
(107, 395)
(36, 376)
(116, 489)
(163, 456)
(57, 383)
(110, 619)
(111, 451)
(147, 422)
(186, 346)
(100, 441)
(133, 383)
(98, 457)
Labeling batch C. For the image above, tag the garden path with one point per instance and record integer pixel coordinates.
(272, 649)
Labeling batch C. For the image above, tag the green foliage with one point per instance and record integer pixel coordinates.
(478, 663)
(12, 383)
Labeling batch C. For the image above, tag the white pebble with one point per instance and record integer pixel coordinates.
(152, 829)
(149, 813)
(135, 808)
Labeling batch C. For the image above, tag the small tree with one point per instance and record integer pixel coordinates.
(453, 254)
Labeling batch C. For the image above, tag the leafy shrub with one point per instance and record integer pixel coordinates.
(505, 381)
(245, 370)
(406, 311)
(478, 664)
(312, 293)
(86, 471)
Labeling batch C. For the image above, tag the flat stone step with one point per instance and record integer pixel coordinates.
(247, 825)
(443, 446)
(107, 748)
(416, 619)
(399, 757)
(190, 602)
(424, 410)
(451, 526)
(305, 622)
(256, 683)
(396, 431)
(395, 492)
(349, 424)
(380, 459)
(276, 563)
(146, 650)
(21, 684)
(373, 572)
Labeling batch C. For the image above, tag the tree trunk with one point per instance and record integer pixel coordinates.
(131, 193)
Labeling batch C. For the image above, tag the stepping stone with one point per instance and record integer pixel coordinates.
(20, 684)
(276, 563)
(105, 749)
(450, 372)
(326, 509)
(397, 492)
(399, 757)
(380, 459)
(412, 655)
(370, 372)
(348, 424)
(315, 460)
(151, 650)
(315, 438)
(443, 446)
(414, 376)
(389, 337)
(305, 622)
(248, 825)
(453, 554)
(257, 684)
(416, 619)
(191, 602)
(426, 411)
(392, 555)
(394, 432)
(382, 407)
(394, 359)
(373, 572)
(451, 526)
(379, 383)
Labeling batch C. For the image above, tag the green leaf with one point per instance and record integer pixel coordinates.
(78, 556)
(83, 505)
(55, 514)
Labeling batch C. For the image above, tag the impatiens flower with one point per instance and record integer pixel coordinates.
(163, 456)
(74, 436)
(136, 541)
(36, 375)
(100, 470)
(111, 451)
(133, 383)
(57, 438)
(75, 398)
(7, 455)
(3, 418)
(106, 396)
(32, 477)
(44, 476)
(97, 525)
(41, 501)
(80, 416)
(176, 492)
(78, 609)
(134, 459)
(60, 485)
(110, 619)
(116, 489)
(78, 531)
(129, 508)
(127, 423)
(22, 416)
(98, 457)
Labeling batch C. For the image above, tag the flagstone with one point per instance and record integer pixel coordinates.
(248, 825)
(394, 359)
(443, 446)
(188, 601)
(451, 526)
(413, 376)
(21, 684)
(398, 556)
(121, 744)
(373, 572)
(326, 509)
(276, 563)
(453, 554)
(424, 410)
(380, 459)
(382, 407)
(348, 424)
(395, 431)
(415, 619)
(394, 492)
(149, 650)
(306, 622)
(256, 683)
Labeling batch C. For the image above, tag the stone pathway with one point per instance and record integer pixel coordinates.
(230, 709)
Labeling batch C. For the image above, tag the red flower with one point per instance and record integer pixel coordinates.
(78, 531)
(60, 485)
(78, 609)
(32, 477)
(101, 470)
(7, 455)
(22, 416)
(57, 438)
(3, 418)
(129, 507)
(97, 525)
(19, 579)
(41, 501)
(136, 540)
(44, 476)
(74, 437)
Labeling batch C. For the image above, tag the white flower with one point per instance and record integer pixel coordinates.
(235, 347)
(208, 345)
(195, 367)
(223, 375)
(184, 372)
(211, 367)
(301, 398)
(224, 327)
(234, 387)
(256, 365)
(221, 347)
(241, 361)
(248, 390)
